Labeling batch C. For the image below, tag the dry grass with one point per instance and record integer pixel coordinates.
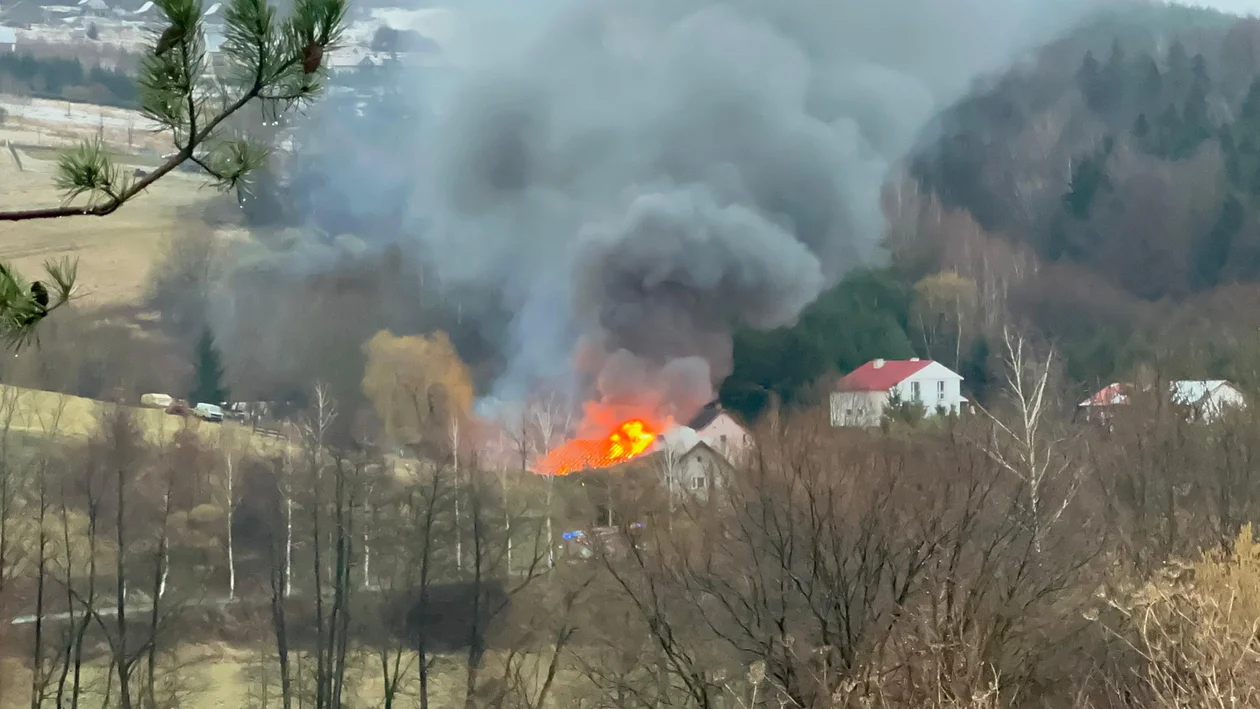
(115, 253)
(42, 413)
(219, 677)
(1195, 629)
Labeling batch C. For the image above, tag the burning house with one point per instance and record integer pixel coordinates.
(687, 459)
(625, 442)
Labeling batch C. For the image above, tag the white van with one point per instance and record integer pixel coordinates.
(209, 412)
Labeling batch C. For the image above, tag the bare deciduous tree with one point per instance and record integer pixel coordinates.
(1029, 443)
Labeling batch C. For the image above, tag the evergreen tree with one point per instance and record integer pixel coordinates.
(1112, 84)
(1180, 75)
(1115, 60)
(1249, 112)
(975, 369)
(1229, 151)
(862, 318)
(1141, 129)
(1108, 93)
(1196, 125)
(1089, 177)
(1168, 130)
(1212, 252)
(207, 386)
(1151, 81)
(1178, 59)
(1198, 69)
(1089, 80)
(1242, 148)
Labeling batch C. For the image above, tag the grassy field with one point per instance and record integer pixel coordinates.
(40, 413)
(225, 677)
(116, 252)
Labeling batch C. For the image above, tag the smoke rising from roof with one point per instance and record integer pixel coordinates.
(635, 178)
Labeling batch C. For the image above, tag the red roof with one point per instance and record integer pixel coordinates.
(889, 374)
(1111, 395)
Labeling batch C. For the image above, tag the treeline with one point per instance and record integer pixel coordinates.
(1104, 193)
(66, 79)
(119, 555)
(1017, 558)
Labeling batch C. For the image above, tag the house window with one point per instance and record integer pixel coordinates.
(914, 390)
(697, 483)
(940, 389)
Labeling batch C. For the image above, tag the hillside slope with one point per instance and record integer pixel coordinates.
(1127, 148)
(1103, 194)
(36, 413)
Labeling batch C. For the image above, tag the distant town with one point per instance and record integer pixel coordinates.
(109, 35)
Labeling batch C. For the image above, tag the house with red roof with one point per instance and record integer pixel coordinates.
(861, 396)
(1206, 399)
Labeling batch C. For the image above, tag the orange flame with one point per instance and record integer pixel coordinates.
(629, 440)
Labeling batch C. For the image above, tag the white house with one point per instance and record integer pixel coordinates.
(1208, 397)
(720, 431)
(862, 395)
(688, 465)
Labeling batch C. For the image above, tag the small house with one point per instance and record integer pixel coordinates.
(1207, 398)
(720, 431)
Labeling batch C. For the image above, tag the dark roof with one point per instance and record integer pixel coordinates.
(706, 416)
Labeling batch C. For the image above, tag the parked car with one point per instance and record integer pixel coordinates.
(156, 401)
(179, 407)
(209, 412)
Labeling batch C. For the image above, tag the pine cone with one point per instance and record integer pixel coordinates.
(169, 39)
(311, 57)
(40, 294)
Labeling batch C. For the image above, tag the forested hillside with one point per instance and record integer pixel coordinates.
(1104, 194)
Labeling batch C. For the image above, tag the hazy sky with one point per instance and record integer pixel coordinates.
(1242, 7)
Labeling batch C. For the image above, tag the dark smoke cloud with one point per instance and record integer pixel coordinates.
(633, 179)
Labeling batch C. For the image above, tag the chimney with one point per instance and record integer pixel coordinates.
(914, 359)
(879, 363)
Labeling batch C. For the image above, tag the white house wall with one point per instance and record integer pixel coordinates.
(726, 436)
(939, 388)
(858, 408)
(693, 473)
(1222, 397)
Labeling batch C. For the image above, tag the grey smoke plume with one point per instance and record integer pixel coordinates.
(645, 176)
(635, 178)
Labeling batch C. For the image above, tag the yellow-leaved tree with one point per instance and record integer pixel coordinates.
(418, 385)
(944, 311)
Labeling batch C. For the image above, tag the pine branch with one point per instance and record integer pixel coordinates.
(23, 306)
(278, 63)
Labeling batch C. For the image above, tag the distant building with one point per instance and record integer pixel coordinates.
(213, 16)
(694, 471)
(8, 39)
(680, 462)
(1208, 398)
(94, 8)
(717, 429)
(861, 397)
(60, 14)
